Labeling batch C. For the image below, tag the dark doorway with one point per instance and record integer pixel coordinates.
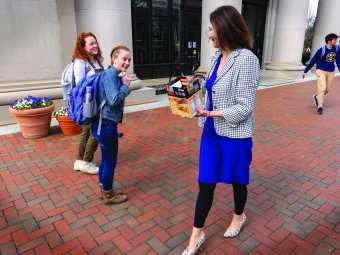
(255, 16)
(165, 32)
(192, 40)
(169, 31)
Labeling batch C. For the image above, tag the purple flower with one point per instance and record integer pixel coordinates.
(31, 102)
(62, 112)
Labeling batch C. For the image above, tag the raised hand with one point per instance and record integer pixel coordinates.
(126, 79)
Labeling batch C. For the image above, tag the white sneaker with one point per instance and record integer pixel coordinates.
(90, 168)
(77, 165)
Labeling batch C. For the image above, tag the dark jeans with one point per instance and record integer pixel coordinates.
(205, 198)
(108, 141)
(87, 144)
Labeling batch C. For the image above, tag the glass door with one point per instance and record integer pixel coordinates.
(192, 41)
(255, 16)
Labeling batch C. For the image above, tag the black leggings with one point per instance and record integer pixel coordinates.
(205, 198)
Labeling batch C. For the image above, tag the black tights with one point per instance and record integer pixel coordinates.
(205, 198)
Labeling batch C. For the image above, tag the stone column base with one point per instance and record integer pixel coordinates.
(141, 96)
(202, 69)
(52, 89)
(136, 83)
(285, 75)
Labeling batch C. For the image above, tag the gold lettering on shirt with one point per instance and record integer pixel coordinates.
(330, 57)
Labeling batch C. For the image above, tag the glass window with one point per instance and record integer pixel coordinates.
(255, 16)
(176, 31)
(194, 2)
(160, 32)
(142, 32)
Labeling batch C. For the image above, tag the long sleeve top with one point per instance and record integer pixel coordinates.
(325, 62)
(234, 93)
(114, 91)
(83, 69)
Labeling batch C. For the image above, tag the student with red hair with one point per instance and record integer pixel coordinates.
(87, 59)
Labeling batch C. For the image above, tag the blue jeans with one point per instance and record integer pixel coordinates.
(108, 141)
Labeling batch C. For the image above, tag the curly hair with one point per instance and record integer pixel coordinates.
(116, 50)
(80, 53)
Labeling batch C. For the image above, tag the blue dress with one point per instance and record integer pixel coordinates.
(222, 159)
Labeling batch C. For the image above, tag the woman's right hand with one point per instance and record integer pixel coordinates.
(126, 79)
(202, 112)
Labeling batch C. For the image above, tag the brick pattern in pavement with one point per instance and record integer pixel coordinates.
(293, 205)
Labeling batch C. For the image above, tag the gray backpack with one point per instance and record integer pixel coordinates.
(323, 50)
(67, 78)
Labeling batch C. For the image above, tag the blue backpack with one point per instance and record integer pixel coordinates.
(81, 112)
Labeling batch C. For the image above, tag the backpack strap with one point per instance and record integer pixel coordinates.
(323, 50)
(99, 63)
(100, 116)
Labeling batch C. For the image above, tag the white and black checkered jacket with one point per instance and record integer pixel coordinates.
(234, 93)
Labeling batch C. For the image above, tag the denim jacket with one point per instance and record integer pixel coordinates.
(112, 88)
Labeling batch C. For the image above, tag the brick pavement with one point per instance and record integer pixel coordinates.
(294, 196)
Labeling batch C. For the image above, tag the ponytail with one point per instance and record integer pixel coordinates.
(116, 50)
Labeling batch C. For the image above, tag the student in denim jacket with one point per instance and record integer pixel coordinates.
(114, 87)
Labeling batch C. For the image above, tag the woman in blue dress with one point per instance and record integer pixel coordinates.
(227, 120)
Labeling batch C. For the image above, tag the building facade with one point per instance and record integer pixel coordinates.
(39, 37)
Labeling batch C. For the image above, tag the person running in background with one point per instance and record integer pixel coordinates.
(324, 59)
(87, 61)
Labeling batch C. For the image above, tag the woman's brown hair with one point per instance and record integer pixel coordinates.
(80, 53)
(231, 29)
(116, 50)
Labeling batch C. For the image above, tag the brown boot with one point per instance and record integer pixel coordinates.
(109, 197)
(116, 191)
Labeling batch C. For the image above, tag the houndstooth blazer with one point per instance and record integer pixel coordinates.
(234, 93)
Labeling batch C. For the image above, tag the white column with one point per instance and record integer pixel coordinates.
(269, 33)
(327, 21)
(207, 49)
(30, 37)
(68, 30)
(31, 53)
(288, 39)
(110, 22)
